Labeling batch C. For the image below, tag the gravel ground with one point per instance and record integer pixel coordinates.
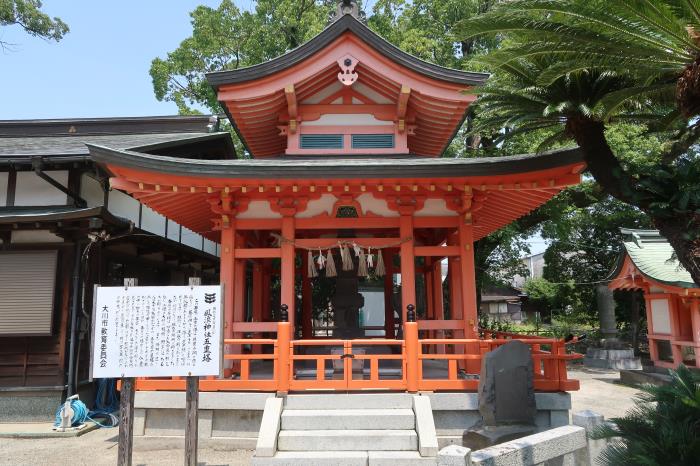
(599, 392)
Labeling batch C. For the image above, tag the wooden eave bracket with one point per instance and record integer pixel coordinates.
(401, 107)
(292, 107)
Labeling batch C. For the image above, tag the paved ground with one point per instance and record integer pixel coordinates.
(599, 392)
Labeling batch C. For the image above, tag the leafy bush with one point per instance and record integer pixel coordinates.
(662, 429)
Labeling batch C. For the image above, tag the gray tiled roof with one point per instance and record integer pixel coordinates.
(76, 145)
(652, 254)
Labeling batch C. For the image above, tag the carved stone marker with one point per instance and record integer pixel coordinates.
(506, 397)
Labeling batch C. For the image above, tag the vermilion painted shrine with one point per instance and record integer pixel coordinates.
(346, 179)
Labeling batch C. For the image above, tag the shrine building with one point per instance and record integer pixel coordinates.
(345, 189)
(671, 298)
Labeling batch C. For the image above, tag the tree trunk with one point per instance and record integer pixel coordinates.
(616, 181)
(675, 230)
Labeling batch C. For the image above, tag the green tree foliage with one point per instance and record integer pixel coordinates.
(662, 429)
(226, 38)
(28, 15)
(579, 66)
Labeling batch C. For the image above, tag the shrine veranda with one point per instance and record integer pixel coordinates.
(346, 180)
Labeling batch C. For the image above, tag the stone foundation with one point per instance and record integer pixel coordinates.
(231, 420)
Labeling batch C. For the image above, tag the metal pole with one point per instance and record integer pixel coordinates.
(75, 303)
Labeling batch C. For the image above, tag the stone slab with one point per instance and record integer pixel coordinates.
(29, 405)
(350, 440)
(269, 428)
(236, 423)
(454, 455)
(395, 458)
(313, 458)
(489, 436)
(425, 426)
(37, 430)
(317, 419)
(470, 401)
(207, 400)
(638, 377)
(617, 364)
(558, 418)
(350, 401)
(533, 449)
(155, 443)
(139, 421)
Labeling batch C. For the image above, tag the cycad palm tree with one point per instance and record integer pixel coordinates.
(663, 429)
(583, 63)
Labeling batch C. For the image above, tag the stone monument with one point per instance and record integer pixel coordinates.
(506, 397)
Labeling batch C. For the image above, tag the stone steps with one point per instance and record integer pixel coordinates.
(345, 458)
(378, 429)
(353, 419)
(349, 401)
(347, 440)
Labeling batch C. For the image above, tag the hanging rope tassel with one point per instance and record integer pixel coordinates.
(347, 258)
(311, 270)
(370, 260)
(362, 265)
(380, 271)
(330, 265)
(356, 248)
(321, 260)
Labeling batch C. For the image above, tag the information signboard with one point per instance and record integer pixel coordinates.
(156, 331)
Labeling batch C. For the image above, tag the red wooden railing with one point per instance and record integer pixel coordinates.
(342, 365)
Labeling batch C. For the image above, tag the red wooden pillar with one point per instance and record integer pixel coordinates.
(239, 291)
(695, 321)
(466, 259)
(408, 264)
(438, 304)
(306, 299)
(674, 316)
(429, 294)
(653, 350)
(389, 322)
(258, 294)
(455, 272)
(227, 279)
(287, 268)
(266, 282)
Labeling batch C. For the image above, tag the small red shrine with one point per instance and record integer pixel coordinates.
(345, 181)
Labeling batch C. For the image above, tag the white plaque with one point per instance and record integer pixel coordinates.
(157, 331)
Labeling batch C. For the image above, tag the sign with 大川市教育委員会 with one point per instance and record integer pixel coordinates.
(157, 331)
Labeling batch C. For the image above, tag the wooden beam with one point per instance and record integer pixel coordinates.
(436, 251)
(292, 107)
(402, 106)
(258, 253)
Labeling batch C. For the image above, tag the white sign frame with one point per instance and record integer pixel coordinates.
(104, 295)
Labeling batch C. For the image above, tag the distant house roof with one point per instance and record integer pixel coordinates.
(653, 256)
(22, 139)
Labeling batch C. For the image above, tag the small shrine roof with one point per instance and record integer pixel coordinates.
(653, 257)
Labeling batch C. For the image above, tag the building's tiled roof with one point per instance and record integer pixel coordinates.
(652, 254)
(76, 145)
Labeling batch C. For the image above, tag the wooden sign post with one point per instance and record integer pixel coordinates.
(126, 409)
(157, 331)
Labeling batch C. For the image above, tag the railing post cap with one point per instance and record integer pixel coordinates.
(411, 314)
(284, 314)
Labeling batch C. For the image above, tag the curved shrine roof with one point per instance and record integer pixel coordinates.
(500, 189)
(262, 100)
(652, 255)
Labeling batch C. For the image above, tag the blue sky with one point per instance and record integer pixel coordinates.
(101, 67)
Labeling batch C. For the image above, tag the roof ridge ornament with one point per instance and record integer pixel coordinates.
(348, 7)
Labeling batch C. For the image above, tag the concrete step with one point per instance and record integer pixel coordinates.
(396, 458)
(349, 440)
(350, 401)
(313, 458)
(358, 419)
(345, 458)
